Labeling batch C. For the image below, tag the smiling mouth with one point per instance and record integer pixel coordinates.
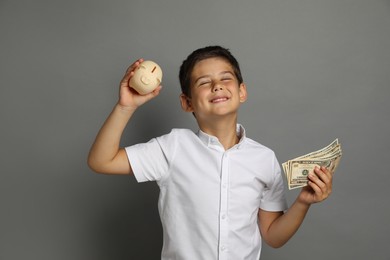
(218, 100)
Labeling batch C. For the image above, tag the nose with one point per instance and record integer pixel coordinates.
(217, 87)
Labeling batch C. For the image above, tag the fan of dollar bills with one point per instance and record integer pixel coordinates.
(298, 169)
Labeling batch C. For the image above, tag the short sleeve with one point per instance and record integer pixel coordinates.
(150, 161)
(273, 197)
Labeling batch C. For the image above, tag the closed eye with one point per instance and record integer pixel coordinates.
(204, 83)
(227, 75)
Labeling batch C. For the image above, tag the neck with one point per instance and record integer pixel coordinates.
(224, 131)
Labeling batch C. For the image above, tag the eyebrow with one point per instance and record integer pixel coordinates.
(208, 75)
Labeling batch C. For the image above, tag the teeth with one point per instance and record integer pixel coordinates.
(218, 100)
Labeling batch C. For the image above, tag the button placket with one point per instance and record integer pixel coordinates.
(223, 222)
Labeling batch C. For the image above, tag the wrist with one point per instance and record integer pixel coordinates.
(303, 205)
(123, 112)
(125, 109)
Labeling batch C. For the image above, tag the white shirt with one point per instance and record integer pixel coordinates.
(209, 197)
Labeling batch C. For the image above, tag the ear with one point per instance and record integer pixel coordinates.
(185, 103)
(243, 93)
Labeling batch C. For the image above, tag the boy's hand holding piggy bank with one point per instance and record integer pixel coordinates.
(146, 78)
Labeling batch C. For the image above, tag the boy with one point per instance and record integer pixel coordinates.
(221, 193)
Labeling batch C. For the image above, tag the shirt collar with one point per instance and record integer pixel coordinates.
(212, 141)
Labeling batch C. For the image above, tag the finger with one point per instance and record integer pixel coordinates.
(327, 177)
(154, 93)
(320, 193)
(326, 171)
(130, 71)
(317, 181)
(323, 181)
(317, 190)
(323, 174)
(135, 65)
(158, 89)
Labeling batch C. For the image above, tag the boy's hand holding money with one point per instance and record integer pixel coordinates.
(319, 186)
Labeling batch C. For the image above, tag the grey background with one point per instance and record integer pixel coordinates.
(315, 70)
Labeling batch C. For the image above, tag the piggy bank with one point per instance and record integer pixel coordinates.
(146, 78)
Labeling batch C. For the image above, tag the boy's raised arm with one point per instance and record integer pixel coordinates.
(105, 155)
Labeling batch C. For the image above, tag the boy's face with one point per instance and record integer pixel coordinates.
(214, 90)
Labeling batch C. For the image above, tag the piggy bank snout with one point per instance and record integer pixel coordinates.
(146, 80)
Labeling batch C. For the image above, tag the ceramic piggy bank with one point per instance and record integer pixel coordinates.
(146, 78)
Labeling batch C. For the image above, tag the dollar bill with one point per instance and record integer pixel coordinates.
(297, 170)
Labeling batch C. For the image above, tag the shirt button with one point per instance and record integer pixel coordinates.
(223, 248)
(223, 216)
